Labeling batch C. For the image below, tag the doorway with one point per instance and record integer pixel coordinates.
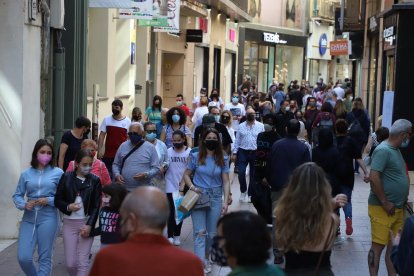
(172, 77)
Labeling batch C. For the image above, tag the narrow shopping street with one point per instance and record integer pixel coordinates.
(348, 258)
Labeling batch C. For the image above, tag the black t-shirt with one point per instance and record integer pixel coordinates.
(348, 151)
(74, 145)
(328, 159)
(109, 222)
(265, 142)
(222, 130)
(282, 120)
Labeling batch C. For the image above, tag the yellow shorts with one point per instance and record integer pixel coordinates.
(381, 223)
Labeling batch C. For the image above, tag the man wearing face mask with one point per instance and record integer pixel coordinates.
(144, 214)
(389, 193)
(283, 117)
(180, 103)
(245, 150)
(211, 120)
(71, 141)
(237, 110)
(114, 130)
(136, 161)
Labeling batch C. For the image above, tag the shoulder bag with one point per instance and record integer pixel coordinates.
(129, 153)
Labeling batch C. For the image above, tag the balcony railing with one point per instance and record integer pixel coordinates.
(324, 8)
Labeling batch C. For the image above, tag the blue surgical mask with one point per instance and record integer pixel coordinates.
(151, 136)
(217, 118)
(175, 118)
(135, 138)
(405, 143)
(235, 100)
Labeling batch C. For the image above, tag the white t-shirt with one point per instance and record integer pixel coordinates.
(340, 92)
(236, 110)
(177, 166)
(199, 113)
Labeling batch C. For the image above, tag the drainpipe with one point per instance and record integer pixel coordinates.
(58, 90)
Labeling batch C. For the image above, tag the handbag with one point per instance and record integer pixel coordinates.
(203, 202)
(188, 202)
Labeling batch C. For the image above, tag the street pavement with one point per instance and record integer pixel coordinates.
(348, 258)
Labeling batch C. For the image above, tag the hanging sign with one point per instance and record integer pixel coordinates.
(173, 18)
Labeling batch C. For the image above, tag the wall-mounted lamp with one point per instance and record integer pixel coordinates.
(227, 18)
(208, 8)
(236, 22)
(219, 13)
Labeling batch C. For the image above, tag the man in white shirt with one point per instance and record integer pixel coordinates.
(237, 110)
(245, 150)
(339, 91)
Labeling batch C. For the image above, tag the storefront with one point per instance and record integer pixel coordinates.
(373, 50)
(270, 54)
(318, 53)
(398, 56)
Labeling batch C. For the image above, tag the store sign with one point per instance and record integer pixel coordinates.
(273, 38)
(340, 47)
(173, 18)
(323, 44)
(389, 35)
(232, 35)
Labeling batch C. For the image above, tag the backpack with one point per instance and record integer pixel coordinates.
(325, 122)
(355, 129)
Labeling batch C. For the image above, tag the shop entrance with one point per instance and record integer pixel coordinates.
(172, 77)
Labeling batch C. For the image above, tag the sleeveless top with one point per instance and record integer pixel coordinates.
(307, 261)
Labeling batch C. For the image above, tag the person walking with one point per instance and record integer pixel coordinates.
(210, 167)
(244, 152)
(237, 110)
(174, 182)
(98, 167)
(162, 152)
(283, 117)
(176, 120)
(153, 112)
(389, 191)
(78, 197)
(348, 151)
(306, 223)
(144, 214)
(40, 223)
(114, 130)
(136, 161)
(71, 141)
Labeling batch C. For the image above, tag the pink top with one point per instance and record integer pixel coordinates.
(98, 168)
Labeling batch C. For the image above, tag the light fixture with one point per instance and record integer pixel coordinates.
(236, 22)
(219, 13)
(227, 18)
(208, 8)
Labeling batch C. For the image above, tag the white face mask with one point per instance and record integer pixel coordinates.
(85, 170)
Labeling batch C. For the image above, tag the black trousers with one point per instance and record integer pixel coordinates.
(172, 228)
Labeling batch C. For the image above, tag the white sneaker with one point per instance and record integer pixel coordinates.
(176, 241)
(249, 199)
(171, 240)
(242, 197)
(207, 267)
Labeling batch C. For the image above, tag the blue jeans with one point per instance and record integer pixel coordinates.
(205, 223)
(38, 227)
(348, 207)
(244, 158)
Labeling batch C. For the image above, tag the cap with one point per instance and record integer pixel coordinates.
(203, 89)
(208, 119)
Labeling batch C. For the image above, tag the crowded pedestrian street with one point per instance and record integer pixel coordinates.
(349, 256)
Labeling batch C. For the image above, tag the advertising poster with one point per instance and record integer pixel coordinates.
(173, 18)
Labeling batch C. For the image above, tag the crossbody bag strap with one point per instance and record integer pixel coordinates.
(129, 153)
(328, 238)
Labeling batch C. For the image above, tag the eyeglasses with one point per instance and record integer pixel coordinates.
(151, 131)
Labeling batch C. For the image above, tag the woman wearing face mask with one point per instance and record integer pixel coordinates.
(153, 113)
(98, 167)
(40, 222)
(211, 179)
(78, 197)
(176, 120)
(196, 100)
(226, 119)
(177, 159)
(242, 243)
(215, 99)
(136, 115)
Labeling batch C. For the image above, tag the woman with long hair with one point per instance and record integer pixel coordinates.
(153, 112)
(226, 119)
(306, 223)
(340, 110)
(210, 167)
(215, 99)
(177, 160)
(40, 222)
(78, 197)
(176, 120)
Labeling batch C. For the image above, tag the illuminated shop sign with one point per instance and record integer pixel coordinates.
(389, 35)
(273, 38)
(323, 44)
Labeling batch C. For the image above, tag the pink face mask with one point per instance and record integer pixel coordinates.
(44, 158)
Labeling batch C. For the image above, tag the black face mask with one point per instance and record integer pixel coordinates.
(135, 138)
(217, 253)
(178, 145)
(211, 144)
(136, 118)
(116, 112)
(250, 117)
(225, 120)
(87, 132)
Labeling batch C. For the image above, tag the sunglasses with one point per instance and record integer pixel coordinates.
(225, 117)
(151, 131)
